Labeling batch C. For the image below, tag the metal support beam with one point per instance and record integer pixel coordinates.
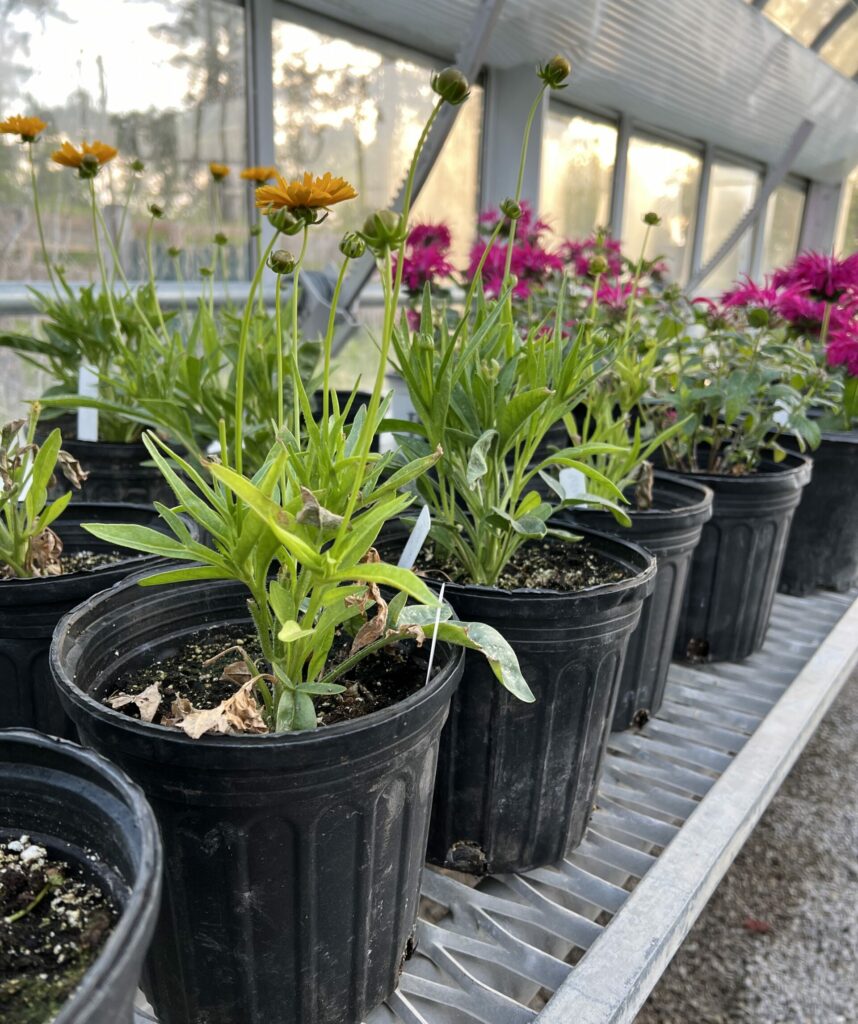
(828, 30)
(700, 212)
(618, 181)
(819, 223)
(774, 176)
(470, 60)
(260, 99)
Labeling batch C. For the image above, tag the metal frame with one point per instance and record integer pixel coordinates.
(678, 798)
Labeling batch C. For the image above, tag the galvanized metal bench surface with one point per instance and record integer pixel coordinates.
(587, 939)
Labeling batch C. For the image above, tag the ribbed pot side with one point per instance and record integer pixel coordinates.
(737, 564)
(292, 861)
(671, 530)
(516, 781)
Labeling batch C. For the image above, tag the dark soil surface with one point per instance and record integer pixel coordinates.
(377, 682)
(550, 564)
(79, 561)
(46, 950)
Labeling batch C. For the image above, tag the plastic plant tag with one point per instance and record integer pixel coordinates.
(87, 419)
(435, 634)
(573, 482)
(416, 539)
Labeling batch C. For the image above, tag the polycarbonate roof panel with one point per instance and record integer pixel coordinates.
(803, 19)
(714, 70)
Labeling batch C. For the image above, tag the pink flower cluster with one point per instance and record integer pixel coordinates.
(812, 288)
(578, 254)
(532, 263)
(426, 256)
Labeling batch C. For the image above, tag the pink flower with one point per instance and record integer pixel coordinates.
(426, 235)
(825, 277)
(842, 350)
(752, 295)
(425, 260)
(615, 295)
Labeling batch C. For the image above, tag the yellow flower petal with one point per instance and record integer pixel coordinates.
(308, 192)
(260, 174)
(27, 127)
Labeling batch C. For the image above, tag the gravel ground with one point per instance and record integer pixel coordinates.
(778, 942)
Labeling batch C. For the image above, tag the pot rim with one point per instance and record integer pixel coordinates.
(69, 688)
(794, 465)
(133, 919)
(703, 497)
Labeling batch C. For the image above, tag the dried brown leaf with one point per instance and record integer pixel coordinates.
(239, 713)
(373, 629)
(315, 514)
(147, 702)
(43, 556)
(71, 469)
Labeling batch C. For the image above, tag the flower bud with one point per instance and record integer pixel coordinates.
(652, 219)
(255, 231)
(758, 317)
(281, 261)
(555, 72)
(284, 221)
(352, 245)
(510, 208)
(451, 85)
(220, 238)
(89, 166)
(174, 252)
(206, 271)
(383, 231)
(424, 341)
(156, 210)
(597, 265)
(137, 165)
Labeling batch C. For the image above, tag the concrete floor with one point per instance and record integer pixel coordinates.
(778, 942)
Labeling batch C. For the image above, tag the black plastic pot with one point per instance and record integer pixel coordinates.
(822, 550)
(118, 472)
(516, 781)
(30, 610)
(737, 564)
(671, 531)
(84, 810)
(293, 861)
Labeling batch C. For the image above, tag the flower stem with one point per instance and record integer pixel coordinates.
(38, 212)
(525, 143)
(296, 375)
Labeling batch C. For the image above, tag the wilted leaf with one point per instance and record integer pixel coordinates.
(373, 629)
(43, 555)
(239, 713)
(71, 469)
(315, 514)
(147, 702)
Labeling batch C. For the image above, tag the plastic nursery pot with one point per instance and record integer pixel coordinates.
(85, 811)
(516, 781)
(737, 564)
(361, 398)
(822, 549)
(292, 861)
(31, 608)
(671, 531)
(118, 472)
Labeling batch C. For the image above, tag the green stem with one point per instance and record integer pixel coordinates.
(150, 266)
(39, 225)
(329, 341)
(108, 291)
(12, 918)
(525, 142)
(293, 349)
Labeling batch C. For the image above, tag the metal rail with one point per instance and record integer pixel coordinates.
(587, 939)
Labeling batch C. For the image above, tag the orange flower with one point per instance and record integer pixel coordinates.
(27, 127)
(219, 171)
(308, 193)
(260, 174)
(88, 160)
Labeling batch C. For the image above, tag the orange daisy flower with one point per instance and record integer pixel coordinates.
(260, 174)
(27, 127)
(307, 193)
(91, 157)
(219, 171)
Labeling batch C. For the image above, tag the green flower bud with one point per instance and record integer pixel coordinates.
(555, 72)
(383, 231)
(206, 271)
(220, 238)
(137, 165)
(758, 317)
(352, 245)
(424, 341)
(156, 210)
(174, 252)
(597, 265)
(652, 219)
(510, 208)
(89, 166)
(255, 231)
(284, 221)
(281, 261)
(451, 85)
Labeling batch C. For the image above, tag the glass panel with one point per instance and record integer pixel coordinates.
(664, 179)
(732, 191)
(358, 112)
(847, 229)
(841, 50)
(163, 80)
(803, 20)
(577, 170)
(783, 226)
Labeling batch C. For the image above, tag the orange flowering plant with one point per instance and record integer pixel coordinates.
(299, 533)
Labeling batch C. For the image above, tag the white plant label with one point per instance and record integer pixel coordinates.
(87, 419)
(573, 482)
(416, 540)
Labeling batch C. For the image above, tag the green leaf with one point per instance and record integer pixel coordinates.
(139, 538)
(194, 572)
(477, 636)
(388, 575)
(320, 689)
(515, 414)
(291, 631)
(477, 465)
(40, 474)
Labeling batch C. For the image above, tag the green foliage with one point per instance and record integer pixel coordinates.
(736, 389)
(28, 547)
